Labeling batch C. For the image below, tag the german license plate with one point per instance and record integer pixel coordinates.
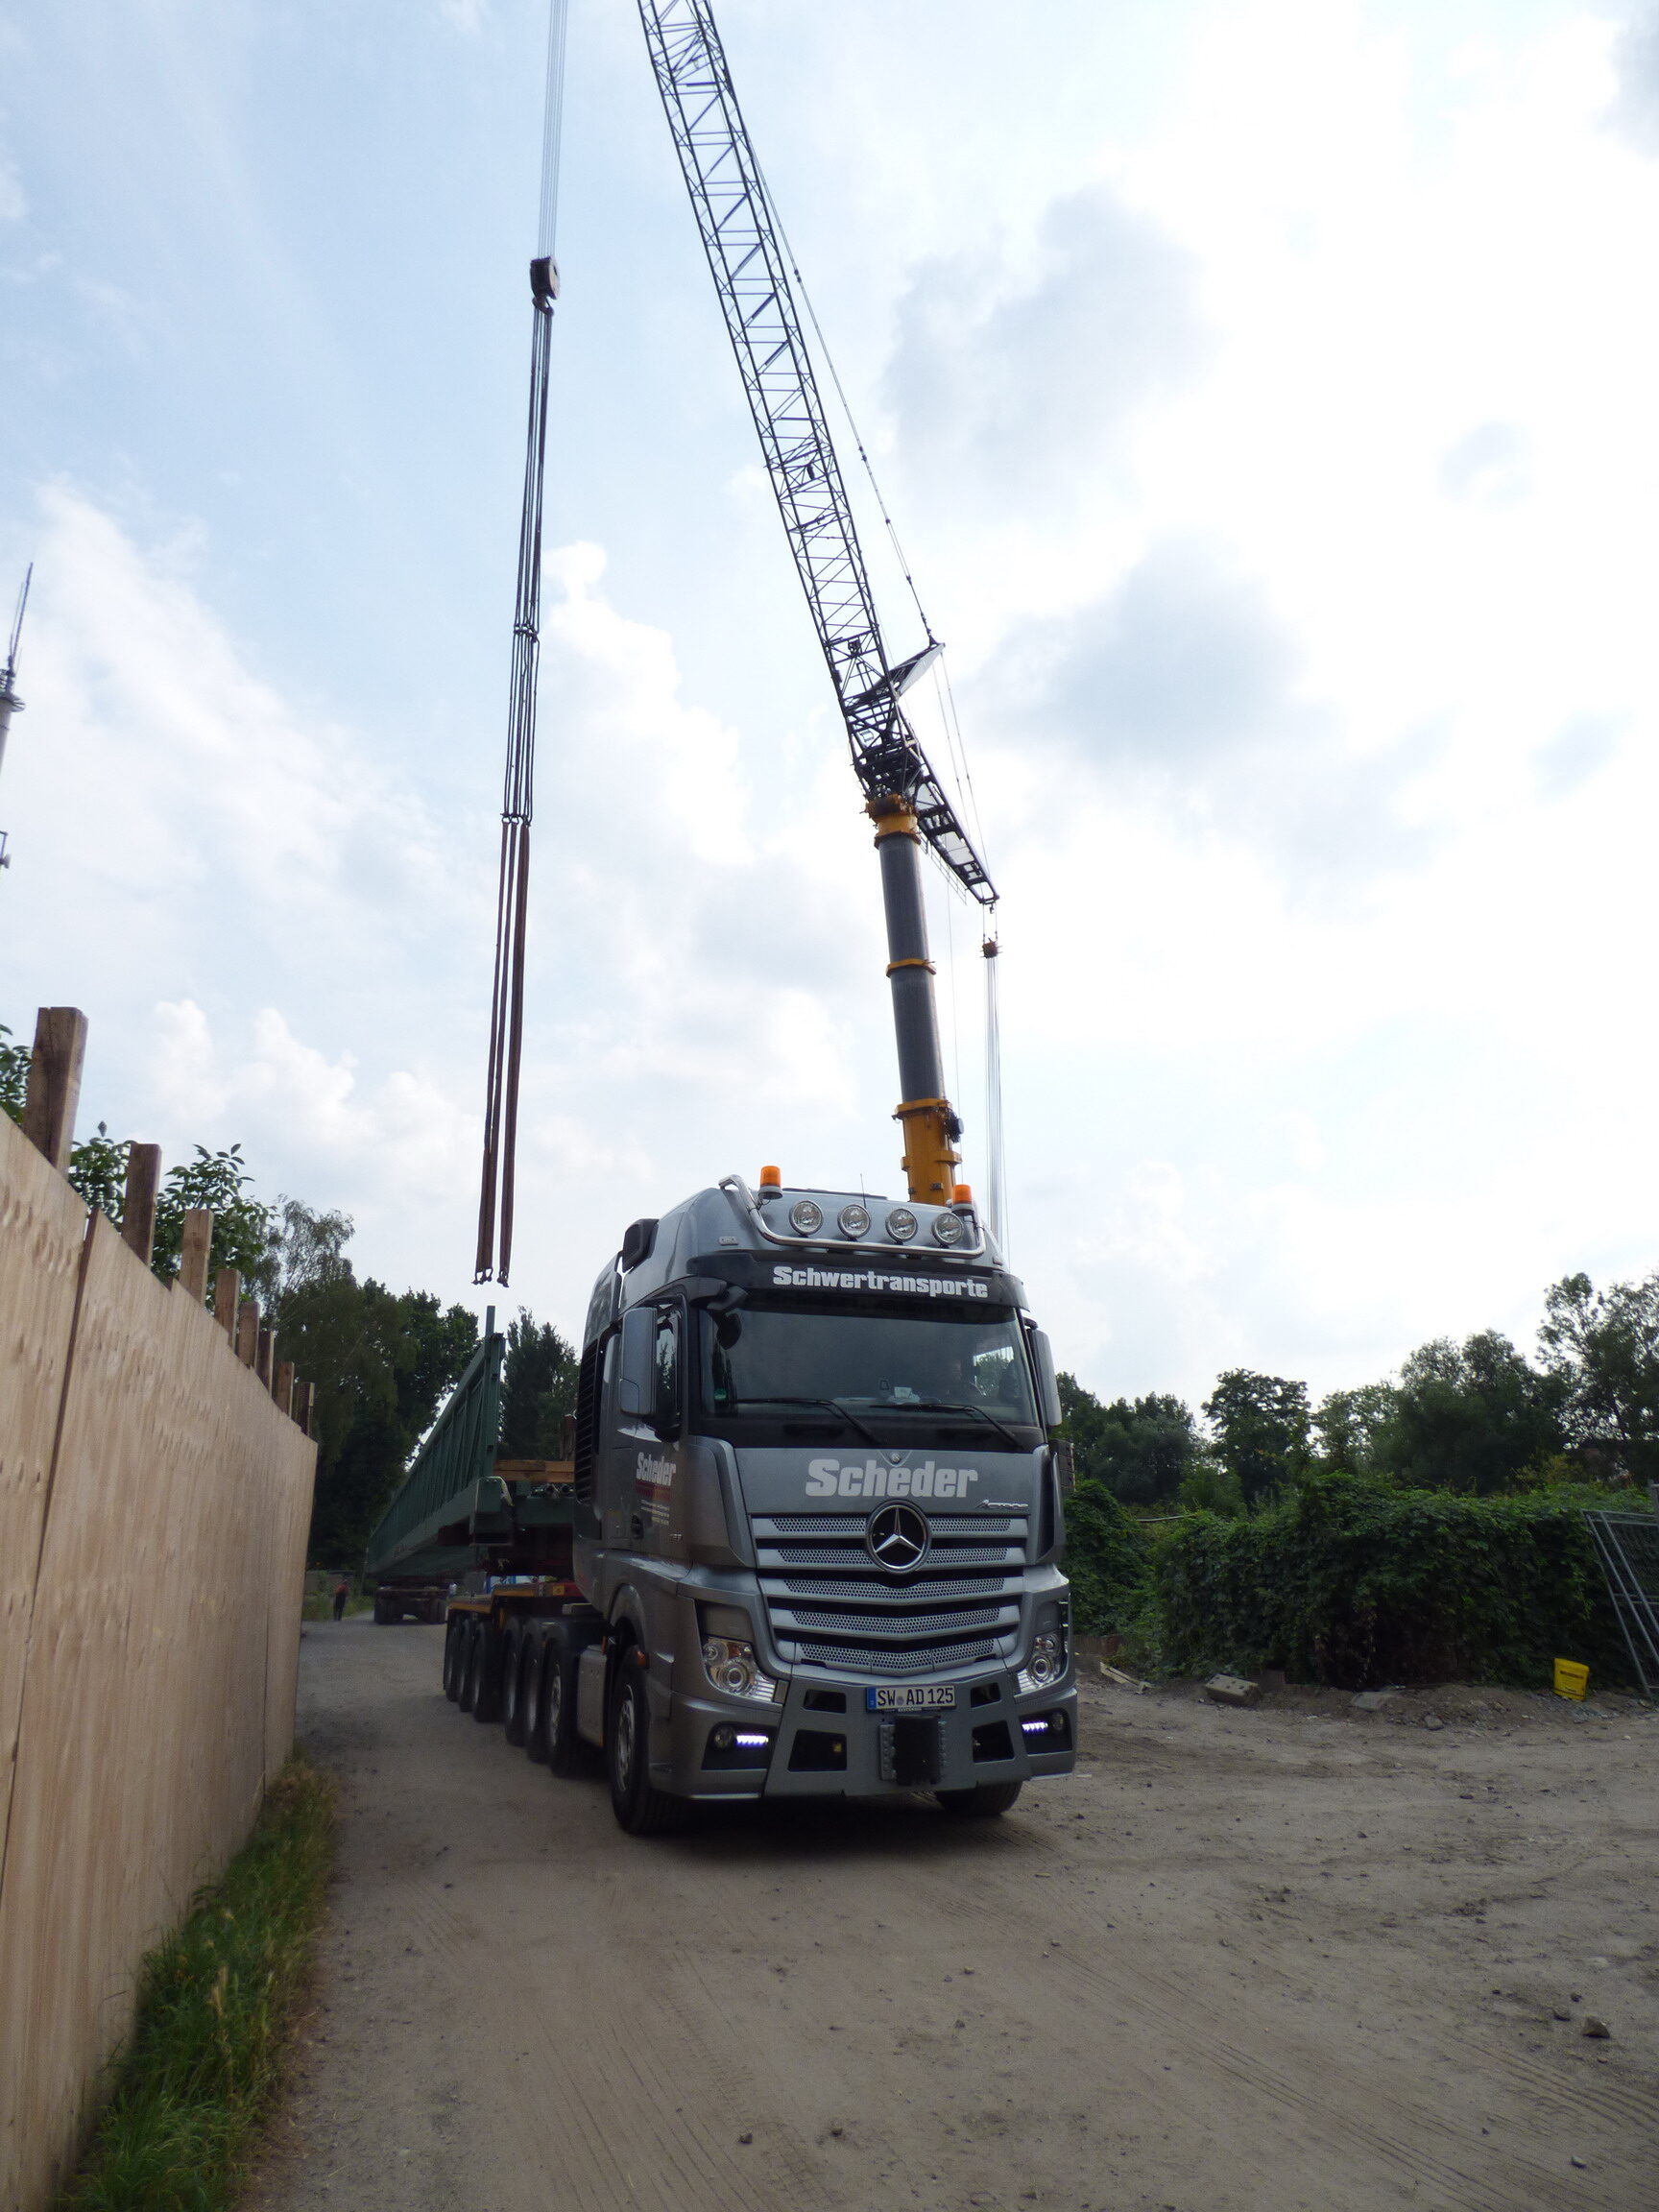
(910, 1698)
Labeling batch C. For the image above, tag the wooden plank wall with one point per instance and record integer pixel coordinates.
(155, 1647)
(43, 1227)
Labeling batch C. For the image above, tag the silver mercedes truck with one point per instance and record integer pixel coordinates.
(816, 1516)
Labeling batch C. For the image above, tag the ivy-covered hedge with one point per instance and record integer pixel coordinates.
(1108, 1560)
(1355, 1582)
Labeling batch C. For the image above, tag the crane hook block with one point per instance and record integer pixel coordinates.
(543, 279)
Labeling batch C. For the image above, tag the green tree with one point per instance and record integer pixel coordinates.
(247, 1234)
(1139, 1449)
(241, 1225)
(304, 1247)
(1208, 1487)
(537, 1389)
(98, 1171)
(381, 1362)
(14, 1074)
(1108, 1561)
(1261, 1425)
(1350, 1423)
(1603, 1346)
(1471, 1416)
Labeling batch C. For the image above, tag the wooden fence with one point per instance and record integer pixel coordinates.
(155, 1499)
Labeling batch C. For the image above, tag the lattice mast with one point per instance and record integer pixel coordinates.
(518, 795)
(904, 797)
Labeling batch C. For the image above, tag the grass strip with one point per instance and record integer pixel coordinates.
(216, 2005)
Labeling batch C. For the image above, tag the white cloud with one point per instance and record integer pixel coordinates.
(1276, 428)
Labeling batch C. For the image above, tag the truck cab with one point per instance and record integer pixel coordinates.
(816, 1511)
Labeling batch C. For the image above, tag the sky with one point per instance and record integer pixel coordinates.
(1263, 390)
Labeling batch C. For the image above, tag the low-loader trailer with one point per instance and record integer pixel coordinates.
(808, 1543)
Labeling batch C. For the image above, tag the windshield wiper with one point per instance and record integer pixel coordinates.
(951, 1406)
(833, 1404)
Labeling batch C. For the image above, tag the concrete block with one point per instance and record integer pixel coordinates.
(1231, 1690)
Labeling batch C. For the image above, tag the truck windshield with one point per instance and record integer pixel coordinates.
(871, 1370)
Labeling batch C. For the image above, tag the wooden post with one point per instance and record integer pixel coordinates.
(138, 1207)
(226, 1298)
(265, 1356)
(284, 1390)
(246, 1330)
(304, 1399)
(195, 1252)
(54, 1082)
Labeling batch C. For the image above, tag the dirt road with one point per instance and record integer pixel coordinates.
(1238, 1961)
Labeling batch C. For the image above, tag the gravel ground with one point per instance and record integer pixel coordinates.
(1240, 1961)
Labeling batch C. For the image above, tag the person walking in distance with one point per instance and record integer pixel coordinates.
(342, 1591)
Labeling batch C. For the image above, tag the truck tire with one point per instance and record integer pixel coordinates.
(981, 1803)
(454, 1657)
(639, 1808)
(514, 1646)
(469, 1662)
(565, 1753)
(532, 1698)
(486, 1674)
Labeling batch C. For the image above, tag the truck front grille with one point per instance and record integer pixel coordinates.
(866, 1622)
(857, 1586)
(855, 1660)
(918, 1625)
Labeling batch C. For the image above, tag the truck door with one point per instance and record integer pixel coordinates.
(648, 1430)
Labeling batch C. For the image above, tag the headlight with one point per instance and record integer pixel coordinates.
(805, 1216)
(901, 1224)
(1046, 1663)
(853, 1220)
(949, 1229)
(733, 1668)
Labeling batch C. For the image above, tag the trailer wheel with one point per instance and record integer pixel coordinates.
(469, 1662)
(513, 1687)
(981, 1803)
(641, 1808)
(485, 1703)
(535, 1659)
(454, 1657)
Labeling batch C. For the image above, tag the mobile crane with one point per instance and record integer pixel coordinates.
(809, 1539)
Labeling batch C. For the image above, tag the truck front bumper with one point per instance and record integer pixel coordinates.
(806, 1748)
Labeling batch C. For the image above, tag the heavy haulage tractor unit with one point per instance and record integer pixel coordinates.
(808, 1543)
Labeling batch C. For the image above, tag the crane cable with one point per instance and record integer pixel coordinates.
(498, 1177)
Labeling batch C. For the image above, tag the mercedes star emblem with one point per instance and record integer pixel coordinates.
(898, 1537)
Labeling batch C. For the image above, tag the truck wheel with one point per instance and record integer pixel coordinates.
(565, 1753)
(487, 1694)
(470, 1641)
(978, 1804)
(513, 1688)
(533, 1699)
(454, 1648)
(641, 1809)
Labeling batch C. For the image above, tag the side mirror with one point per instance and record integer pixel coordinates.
(1048, 1388)
(635, 1385)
